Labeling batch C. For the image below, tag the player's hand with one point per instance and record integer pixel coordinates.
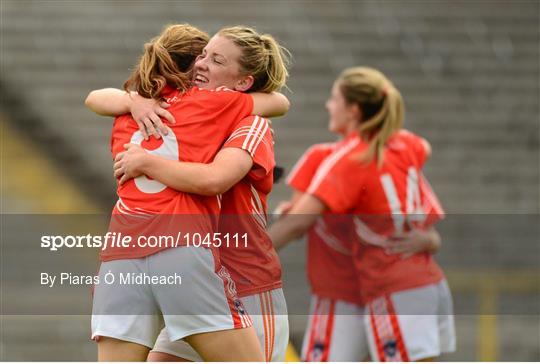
(412, 242)
(282, 208)
(147, 113)
(128, 164)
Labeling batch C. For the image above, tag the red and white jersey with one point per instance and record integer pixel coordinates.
(384, 201)
(253, 264)
(204, 120)
(329, 264)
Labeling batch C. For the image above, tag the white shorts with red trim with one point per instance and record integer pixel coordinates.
(335, 331)
(411, 325)
(268, 311)
(135, 308)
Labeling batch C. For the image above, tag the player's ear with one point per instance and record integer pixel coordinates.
(355, 111)
(244, 84)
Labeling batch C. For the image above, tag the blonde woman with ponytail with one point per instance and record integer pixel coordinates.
(369, 212)
(203, 309)
(240, 59)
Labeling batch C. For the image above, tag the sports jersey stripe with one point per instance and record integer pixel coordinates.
(385, 326)
(237, 131)
(268, 300)
(252, 152)
(237, 317)
(431, 202)
(258, 218)
(269, 332)
(313, 330)
(376, 337)
(255, 194)
(267, 329)
(246, 319)
(322, 330)
(403, 355)
(330, 240)
(368, 235)
(319, 329)
(272, 324)
(258, 207)
(254, 137)
(127, 208)
(265, 326)
(251, 130)
(256, 134)
(124, 210)
(259, 137)
(269, 323)
(329, 329)
(237, 136)
(120, 208)
(413, 191)
(330, 162)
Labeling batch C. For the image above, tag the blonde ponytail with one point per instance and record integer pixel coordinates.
(262, 57)
(381, 105)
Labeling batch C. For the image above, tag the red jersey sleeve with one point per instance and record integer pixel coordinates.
(253, 134)
(332, 184)
(430, 203)
(306, 167)
(417, 144)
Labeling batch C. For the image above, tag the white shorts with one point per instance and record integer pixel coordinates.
(131, 310)
(335, 332)
(411, 325)
(268, 311)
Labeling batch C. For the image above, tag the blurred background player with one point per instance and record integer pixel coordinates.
(335, 330)
(366, 108)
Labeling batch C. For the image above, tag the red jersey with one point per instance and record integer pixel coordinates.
(384, 201)
(253, 264)
(204, 120)
(330, 265)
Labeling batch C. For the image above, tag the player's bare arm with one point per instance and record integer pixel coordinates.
(297, 222)
(272, 104)
(147, 113)
(228, 167)
(284, 207)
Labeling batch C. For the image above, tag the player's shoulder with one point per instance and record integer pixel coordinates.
(343, 155)
(408, 136)
(404, 139)
(321, 149)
